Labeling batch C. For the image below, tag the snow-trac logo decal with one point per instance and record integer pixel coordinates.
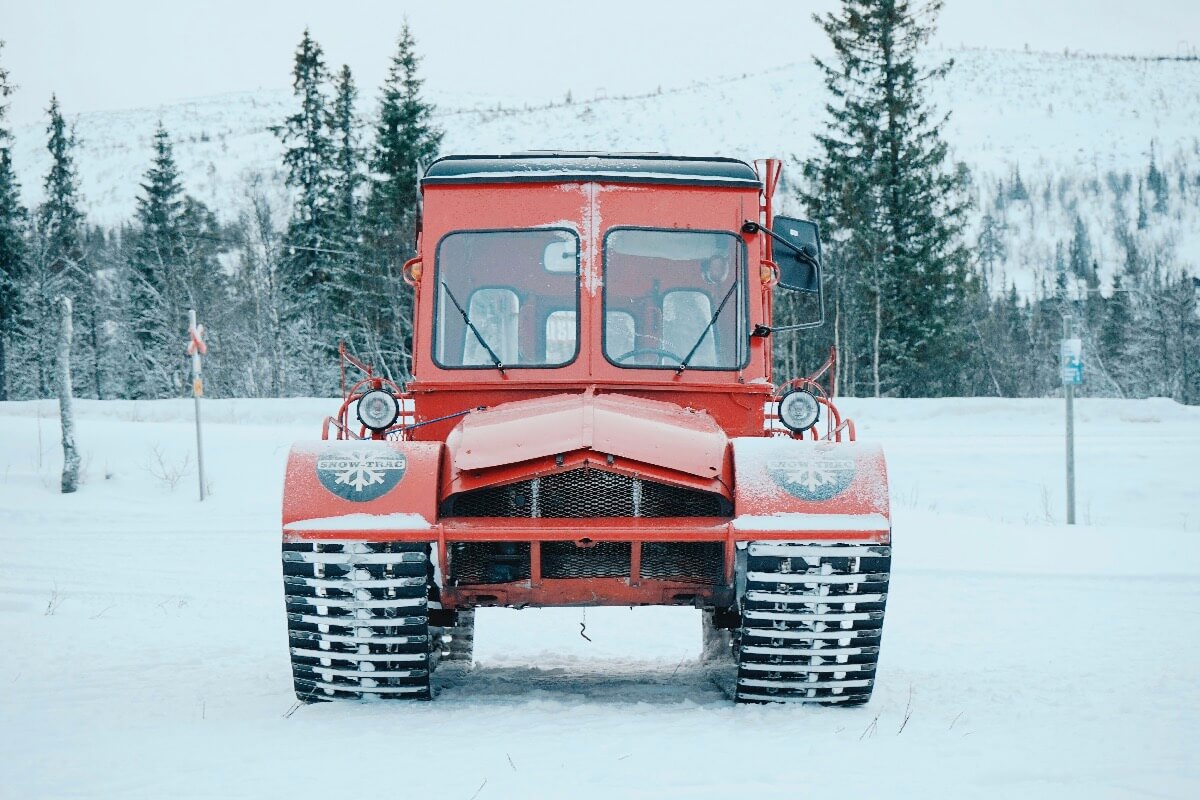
(815, 476)
(361, 475)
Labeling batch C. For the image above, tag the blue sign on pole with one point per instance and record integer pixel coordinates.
(1072, 362)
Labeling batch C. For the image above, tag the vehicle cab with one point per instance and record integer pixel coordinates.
(549, 273)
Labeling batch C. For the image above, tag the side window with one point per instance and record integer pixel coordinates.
(560, 337)
(495, 313)
(685, 315)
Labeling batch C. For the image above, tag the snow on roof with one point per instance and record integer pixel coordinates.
(617, 167)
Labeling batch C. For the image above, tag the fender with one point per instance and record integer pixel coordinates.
(820, 490)
(361, 489)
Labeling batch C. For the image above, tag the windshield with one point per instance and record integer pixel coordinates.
(674, 299)
(507, 299)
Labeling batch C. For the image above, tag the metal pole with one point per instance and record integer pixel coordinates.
(1070, 393)
(197, 390)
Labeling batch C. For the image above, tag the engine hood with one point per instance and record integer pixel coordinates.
(649, 431)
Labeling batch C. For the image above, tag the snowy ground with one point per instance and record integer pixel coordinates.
(145, 655)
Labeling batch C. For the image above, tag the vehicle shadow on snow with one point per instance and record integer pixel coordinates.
(615, 683)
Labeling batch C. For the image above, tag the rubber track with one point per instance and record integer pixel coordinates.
(358, 619)
(812, 620)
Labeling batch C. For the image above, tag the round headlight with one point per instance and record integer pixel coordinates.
(378, 410)
(799, 410)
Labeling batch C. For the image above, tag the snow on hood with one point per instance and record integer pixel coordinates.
(362, 522)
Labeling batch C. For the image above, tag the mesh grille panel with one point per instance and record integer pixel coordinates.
(489, 562)
(583, 493)
(601, 560)
(703, 562)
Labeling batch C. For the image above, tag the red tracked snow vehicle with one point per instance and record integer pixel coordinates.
(592, 421)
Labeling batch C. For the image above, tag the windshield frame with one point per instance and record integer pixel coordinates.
(741, 277)
(435, 339)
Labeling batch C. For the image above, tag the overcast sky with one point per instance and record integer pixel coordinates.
(121, 54)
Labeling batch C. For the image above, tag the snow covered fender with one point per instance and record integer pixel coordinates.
(820, 490)
(352, 489)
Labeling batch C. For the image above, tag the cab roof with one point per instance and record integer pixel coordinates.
(554, 167)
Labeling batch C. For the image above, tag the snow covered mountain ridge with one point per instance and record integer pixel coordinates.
(1070, 118)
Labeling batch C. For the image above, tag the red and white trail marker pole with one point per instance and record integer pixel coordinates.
(195, 349)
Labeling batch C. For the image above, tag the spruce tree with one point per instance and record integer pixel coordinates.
(309, 160)
(406, 140)
(361, 293)
(173, 268)
(1142, 221)
(59, 217)
(1079, 253)
(1015, 322)
(1116, 331)
(348, 175)
(158, 206)
(890, 203)
(1156, 182)
(12, 233)
(314, 265)
(1016, 189)
(1062, 283)
(55, 258)
(992, 249)
(156, 266)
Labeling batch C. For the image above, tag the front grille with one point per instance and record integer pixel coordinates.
(583, 493)
(473, 563)
(488, 562)
(701, 562)
(600, 560)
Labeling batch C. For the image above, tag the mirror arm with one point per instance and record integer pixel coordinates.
(803, 326)
(763, 331)
(753, 227)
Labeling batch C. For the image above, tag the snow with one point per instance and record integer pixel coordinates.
(145, 652)
(363, 522)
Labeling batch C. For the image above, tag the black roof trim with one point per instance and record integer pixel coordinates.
(552, 167)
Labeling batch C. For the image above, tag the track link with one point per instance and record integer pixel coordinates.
(812, 620)
(358, 619)
(461, 635)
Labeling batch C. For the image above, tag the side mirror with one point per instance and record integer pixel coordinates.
(800, 271)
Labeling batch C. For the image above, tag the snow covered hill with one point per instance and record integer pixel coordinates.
(1075, 125)
(1041, 111)
(145, 652)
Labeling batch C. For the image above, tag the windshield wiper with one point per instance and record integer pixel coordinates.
(473, 329)
(687, 359)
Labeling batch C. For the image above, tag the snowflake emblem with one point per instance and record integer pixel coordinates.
(361, 475)
(812, 476)
(817, 477)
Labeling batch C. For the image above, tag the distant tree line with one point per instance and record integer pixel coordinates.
(919, 255)
(278, 287)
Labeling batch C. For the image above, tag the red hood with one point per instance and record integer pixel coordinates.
(648, 431)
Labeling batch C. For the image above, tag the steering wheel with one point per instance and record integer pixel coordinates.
(641, 351)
